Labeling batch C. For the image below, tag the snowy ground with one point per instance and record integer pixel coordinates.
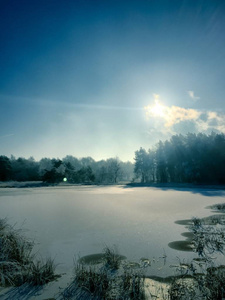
(70, 222)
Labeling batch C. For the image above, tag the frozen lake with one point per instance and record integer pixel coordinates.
(68, 222)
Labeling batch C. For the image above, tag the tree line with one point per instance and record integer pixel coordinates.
(70, 169)
(193, 158)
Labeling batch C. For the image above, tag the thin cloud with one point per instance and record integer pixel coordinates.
(216, 121)
(168, 119)
(170, 115)
(192, 95)
(87, 106)
(67, 104)
(176, 114)
(6, 135)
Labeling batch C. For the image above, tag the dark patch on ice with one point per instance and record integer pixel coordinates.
(186, 222)
(188, 235)
(181, 245)
(95, 259)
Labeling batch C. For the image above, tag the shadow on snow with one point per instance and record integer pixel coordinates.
(205, 190)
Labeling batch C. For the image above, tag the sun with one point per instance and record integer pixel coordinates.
(156, 110)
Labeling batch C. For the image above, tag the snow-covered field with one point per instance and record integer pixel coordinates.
(77, 221)
(71, 222)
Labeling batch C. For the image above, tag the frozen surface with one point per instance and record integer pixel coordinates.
(68, 222)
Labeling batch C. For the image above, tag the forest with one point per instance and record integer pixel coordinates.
(191, 158)
(69, 169)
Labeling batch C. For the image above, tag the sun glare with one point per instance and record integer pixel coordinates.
(170, 115)
(156, 110)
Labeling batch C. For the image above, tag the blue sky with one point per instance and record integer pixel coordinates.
(84, 77)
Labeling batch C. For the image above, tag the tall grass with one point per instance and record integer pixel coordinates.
(95, 282)
(202, 279)
(17, 263)
(111, 258)
(107, 281)
(41, 272)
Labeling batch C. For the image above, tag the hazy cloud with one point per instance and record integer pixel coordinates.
(175, 119)
(192, 95)
(176, 114)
